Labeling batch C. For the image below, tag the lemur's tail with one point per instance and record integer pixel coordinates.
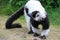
(9, 23)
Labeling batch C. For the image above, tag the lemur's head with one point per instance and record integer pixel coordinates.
(36, 16)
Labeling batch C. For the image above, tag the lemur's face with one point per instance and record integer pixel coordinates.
(36, 15)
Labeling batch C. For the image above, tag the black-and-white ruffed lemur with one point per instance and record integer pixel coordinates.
(35, 14)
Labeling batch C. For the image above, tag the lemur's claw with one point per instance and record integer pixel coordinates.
(43, 37)
(36, 35)
(30, 32)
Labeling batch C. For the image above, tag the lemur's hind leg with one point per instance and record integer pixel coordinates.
(9, 23)
(46, 30)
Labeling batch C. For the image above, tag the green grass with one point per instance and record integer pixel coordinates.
(54, 13)
(7, 9)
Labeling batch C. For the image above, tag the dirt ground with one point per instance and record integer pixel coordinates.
(22, 33)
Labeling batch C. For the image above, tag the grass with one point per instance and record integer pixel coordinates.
(54, 13)
(7, 9)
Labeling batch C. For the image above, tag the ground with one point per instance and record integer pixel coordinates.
(22, 33)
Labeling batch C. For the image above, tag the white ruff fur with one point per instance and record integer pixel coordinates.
(35, 6)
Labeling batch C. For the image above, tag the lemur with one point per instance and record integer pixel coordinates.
(35, 14)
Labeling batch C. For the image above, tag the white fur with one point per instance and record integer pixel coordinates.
(40, 17)
(45, 32)
(35, 30)
(36, 6)
(27, 20)
(33, 5)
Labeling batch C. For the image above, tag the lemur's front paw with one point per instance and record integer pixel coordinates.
(30, 32)
(36, 35)
(43, 37)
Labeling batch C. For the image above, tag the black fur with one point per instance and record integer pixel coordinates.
(36, 34)
(34, 23)
(27, 10)
(9, 23)
(30, 32)
(34, 13)
(43, 37)
(44, 23)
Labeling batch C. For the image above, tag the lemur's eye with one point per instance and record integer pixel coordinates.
(37, 15)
